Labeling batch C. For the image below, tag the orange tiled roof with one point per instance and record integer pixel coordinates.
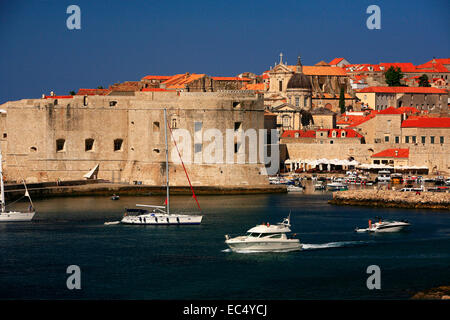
(321, 70)
(254, 86)
(401, 110)
(230, 79)
(403, 90)
(58, 97)
(392, 153)
(426, 122)
(156, 77)
(92, 92)
(335, 61)
(349, 133)
(180, 81)
(153, 89)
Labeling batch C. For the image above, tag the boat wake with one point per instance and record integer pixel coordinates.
(340, 244)
(111, 223)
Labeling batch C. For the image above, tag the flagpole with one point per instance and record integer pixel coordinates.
(167, 162)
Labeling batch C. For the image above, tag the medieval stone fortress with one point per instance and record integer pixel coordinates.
(334, 110)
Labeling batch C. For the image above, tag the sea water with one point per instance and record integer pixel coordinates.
(193, 262)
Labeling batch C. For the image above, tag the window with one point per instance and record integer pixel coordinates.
(397, 139)
(386, 138)
(60, 144)
(296, 135)
(118, 144)
(331, 141)
(343, 134)
(384, 161)
(376, 161)
(236, 147)
(432, 139)
(174, 123)
(236, 104)
(88, 144)
(198, 126)
(198, 148)
(238, 126)
(423, 138)
(156, 126)
(112, 103)
(33, 149)
(413, 139)
(297, 101)
(5, 135)
(406, 139)
(280, 85)
(441, 139)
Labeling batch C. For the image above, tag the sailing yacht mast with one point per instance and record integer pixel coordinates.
(167, 162)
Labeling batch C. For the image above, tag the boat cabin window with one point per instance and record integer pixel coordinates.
(273, 235)
(254, 235)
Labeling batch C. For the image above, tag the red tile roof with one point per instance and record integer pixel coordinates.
(254, 86)
(401, 110)
(156, 77)
(58, 97)
(392, 153)
(426, 122)
(92, 92)
(403, 90)
(321, 71)
(230, 79)
(354, 121)
(154, 89)
(335, 61)
(349, 133)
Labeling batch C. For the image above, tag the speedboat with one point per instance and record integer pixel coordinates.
(384, 176)
(337, 186)
(265, 238)
(385, 226)
(115, 197)
(295, 188)
(319, 186)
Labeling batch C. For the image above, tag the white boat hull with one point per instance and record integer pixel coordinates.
(162, 219)
(238, 245)
(15, 216)
(393, 227)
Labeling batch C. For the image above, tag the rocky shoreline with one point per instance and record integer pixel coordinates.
(392, 199)
(439, 293)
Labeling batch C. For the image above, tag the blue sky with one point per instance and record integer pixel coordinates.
(125, 40)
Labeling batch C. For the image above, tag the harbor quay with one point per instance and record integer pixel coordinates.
(392, 199)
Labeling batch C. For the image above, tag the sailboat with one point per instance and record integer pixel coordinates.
(160, 215)
(14, 216)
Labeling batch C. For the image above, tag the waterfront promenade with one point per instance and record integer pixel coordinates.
(392, 199)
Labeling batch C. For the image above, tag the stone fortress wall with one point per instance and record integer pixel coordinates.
(124, 135)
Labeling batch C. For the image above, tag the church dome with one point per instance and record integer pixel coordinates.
(299, 81)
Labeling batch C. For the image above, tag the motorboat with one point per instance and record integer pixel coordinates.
(384, 176)
(319, 186)
(294, 188)
(385, 226)
(265, 238)
(397, 178)
(337, 186)
(14, 216)
(161, 215)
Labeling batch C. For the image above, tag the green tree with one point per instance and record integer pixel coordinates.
(423, 81)
(100, 87)
(393, 77)
(72, 93)
(306, 118)
(342, 100)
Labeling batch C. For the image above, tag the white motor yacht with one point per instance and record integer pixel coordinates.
(337, 186)
(265, 238)
(384, 176)
(384, 226)
(295, 189)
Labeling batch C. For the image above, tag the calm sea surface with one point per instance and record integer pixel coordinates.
(191, 262)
